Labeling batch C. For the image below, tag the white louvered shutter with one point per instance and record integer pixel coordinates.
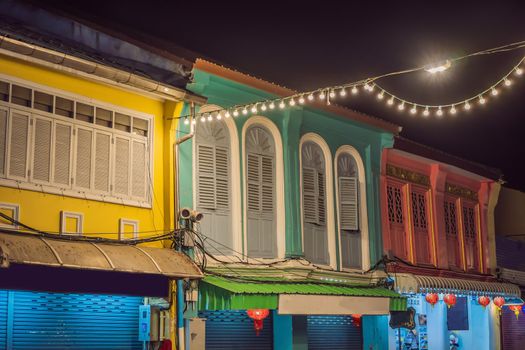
(222, 171)
(253, 179)
(42, 149)
(122, 169)
(310, 205)
(321, 199)
(84, 153)
(268, 186)
(18, 142)
(102, 157)
(62, 167)
(3, 140)
(348, 203)
(138, 169)
(206, 176)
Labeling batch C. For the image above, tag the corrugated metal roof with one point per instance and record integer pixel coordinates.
(282, 286)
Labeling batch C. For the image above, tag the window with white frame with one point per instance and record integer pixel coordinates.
(128, 229)
(349, 208)
(10, 212)
(213, 184)
(260, 188)
(314, 203)
(61, 145)
(71, 223)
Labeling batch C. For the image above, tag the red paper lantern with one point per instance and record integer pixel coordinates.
(499, 302)
(483, 301)
(450, 300)
(516, 309)
(356, 318)
(258, 315)
(432, 298)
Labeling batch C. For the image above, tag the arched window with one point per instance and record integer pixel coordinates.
(314, 203)
(260, 193)
(213, 185)
(349, 211)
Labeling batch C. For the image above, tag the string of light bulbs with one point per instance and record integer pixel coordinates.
(328, 94)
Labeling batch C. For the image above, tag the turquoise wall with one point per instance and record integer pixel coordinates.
(292, 124)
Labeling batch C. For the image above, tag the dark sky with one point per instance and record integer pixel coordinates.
(321, 43)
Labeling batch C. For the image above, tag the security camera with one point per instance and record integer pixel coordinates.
(196, 216)
(185, 213)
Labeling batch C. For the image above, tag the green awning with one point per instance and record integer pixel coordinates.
(221, 293)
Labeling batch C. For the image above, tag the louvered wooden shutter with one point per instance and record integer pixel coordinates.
(321, 200)
(102, 156)
(206, 177)
(268, 186)
(348, 202)
(122, 169)
(254, 176)
(83, 158)
(309, 196)
(138, 169)
(222, 188)
(42, 149)
(19, 134)
(3, 140)
(62, 167)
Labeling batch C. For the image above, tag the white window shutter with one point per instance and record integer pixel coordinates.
(309, 196)
(62, 167)
(138, 169)
(206, 177)
(348, 202)
(102, 157)
(19, 135)
(267, 191)
(83, 156)
(122, 169)
(321, 200)
(222, 177)
(3, 140)
(42, 149)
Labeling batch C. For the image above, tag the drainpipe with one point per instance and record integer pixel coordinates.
(180, 287)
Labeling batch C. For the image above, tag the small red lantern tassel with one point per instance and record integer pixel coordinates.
(258, 326)
(258, 315)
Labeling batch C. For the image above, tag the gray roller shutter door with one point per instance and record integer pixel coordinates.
(334, 333)
(513, 330)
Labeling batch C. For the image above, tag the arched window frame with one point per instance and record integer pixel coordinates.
(363, 213)
(279, 182)
(235, 178)
(330, 215)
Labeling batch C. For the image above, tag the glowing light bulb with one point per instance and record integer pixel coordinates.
(508, 82)
(311, 97)
(186, 121)
(235, 113)
(453, 110)
(413, 110)
(342, 92)
(263, 107)
(210, 118)
(426, 112)
(332, 94)
(439, 112)
(254, 109)
(322, 95)
(519, 71)
(282, 105)
(467, 105)
(390, 101)
(380, 95)
(355, 90)
(366, 86)
(494, 92)
(301, 100)
(371, 88)
(272, 105)
(244, 111)
(193, 122)
(482, 100)
(292, 102)
(203, 119)
(401, 106)
(227, 114)
(219, 116)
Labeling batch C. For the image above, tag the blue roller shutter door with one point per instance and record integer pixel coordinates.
(334, 333)
(3, 319)
(74, 321)
(233, 329)
(512, 330)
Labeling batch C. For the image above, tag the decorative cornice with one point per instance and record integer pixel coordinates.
(461, 191)
(407, 175)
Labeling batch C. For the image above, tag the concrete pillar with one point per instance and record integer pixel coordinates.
(282, 332)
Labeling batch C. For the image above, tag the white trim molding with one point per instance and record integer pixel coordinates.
(363, 214)
(279, 182)
(127, 222)
(64, 215)
(330, 215)
(15, 208)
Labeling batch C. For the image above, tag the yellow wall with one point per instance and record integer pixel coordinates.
(42, 211)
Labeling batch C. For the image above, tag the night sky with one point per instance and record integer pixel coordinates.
(320, 43)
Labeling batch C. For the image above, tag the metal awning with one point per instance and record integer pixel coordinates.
(29, 249)
(408, 283)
